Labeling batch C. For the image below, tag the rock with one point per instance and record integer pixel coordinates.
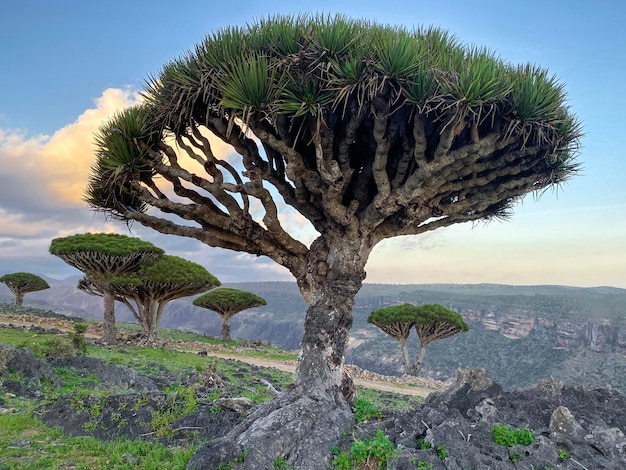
(486, 410)
(611, 442)
(21, 443)
(562, 421)
(32, 370)
(476, 379)
(118, 377)
(239, 404)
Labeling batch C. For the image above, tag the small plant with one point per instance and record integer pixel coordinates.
(365, 452)
(77, 337)
(507, 437)
(421, 465)
(59, 347)
(365, 410)
(230, 465)
(422, 444)
(515, 457)
(141, 402)
(281, 463)
(90, 426)
(563, 454)
(442, 452)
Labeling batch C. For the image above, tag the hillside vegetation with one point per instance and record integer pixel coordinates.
(519, 334)
(132, 407)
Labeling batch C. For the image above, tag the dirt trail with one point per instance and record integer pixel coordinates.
(285, 366)
(290, 366)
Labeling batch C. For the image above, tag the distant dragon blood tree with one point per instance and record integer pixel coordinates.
(22, 283)
(227, 302)
(148, 290)
(101, 256)
(431, 322)
(367, 131)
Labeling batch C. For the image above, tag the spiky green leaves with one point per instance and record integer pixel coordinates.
(107, 243)
(418, 315)
(228, 301)
(104, 254)
(123, 150)
(170, 269)
(436, 313)
(260, 68)
(404, 313)
(247, 84)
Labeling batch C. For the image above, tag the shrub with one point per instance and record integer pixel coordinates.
(507, 437)
(365, 410)
(378, 450)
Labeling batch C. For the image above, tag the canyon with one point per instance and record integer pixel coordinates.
(519, 334)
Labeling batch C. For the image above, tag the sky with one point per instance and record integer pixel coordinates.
(67, 66)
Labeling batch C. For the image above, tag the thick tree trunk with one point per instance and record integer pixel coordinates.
(109, 332)
(419, 359)
(310, 417)
(225, 328)
(151, 317)
(19, 298)
(405, 357)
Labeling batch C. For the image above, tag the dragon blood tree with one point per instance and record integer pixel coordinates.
(396, 321)
(23, 283)
(367, 131)
(434, 322)
(101, 256)
(148, 290)
(431, 322)
(228, 302)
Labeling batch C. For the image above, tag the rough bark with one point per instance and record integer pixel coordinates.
(225, 333)
(19, 298)
(309, 418)
(109, 331)
(416, 367)
(405, 356)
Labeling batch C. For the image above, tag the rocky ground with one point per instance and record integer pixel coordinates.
(572, 427)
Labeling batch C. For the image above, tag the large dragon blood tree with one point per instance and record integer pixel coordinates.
(147, 291)
(101, 256)
(367, 131)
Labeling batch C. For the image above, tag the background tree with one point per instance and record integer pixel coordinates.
(22, 283)
(434, 322)
(227, 303)
(147, 291)
(101, 256)
(367, 131)
(397, 322)
(431, 322)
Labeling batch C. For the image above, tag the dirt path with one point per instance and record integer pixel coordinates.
(290, 366)
(285, 366)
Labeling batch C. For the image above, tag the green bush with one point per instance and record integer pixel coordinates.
(59, 347)
(507, 437)
(365, 410)
(379, 449)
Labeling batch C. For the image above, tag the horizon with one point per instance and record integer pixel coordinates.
(395, 284)
(74, 65)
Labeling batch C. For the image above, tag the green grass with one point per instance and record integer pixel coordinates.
(25, 444)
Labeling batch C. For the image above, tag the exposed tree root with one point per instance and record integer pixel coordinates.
(298, 425)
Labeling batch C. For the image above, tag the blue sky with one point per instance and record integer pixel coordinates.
(67, 65)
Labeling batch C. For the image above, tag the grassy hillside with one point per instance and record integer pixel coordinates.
(26, 443)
